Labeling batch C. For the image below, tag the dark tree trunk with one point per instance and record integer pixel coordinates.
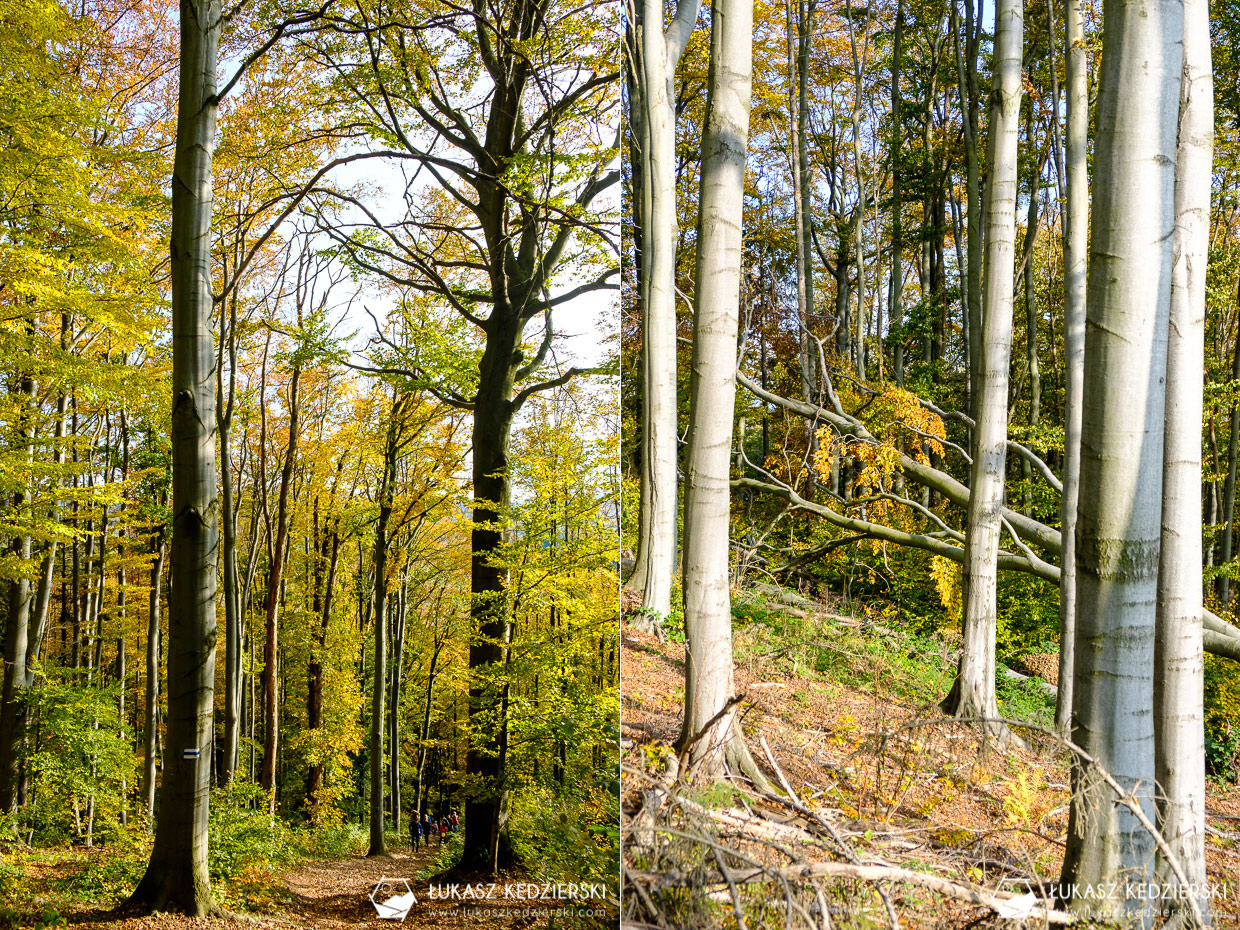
(378, 846)
(177, 877)
(1229, 486)
(271, 721)
(314, 694)
(12, 703)
(150, 708)
(493, 416)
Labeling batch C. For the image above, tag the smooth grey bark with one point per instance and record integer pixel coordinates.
(712, 390)
(660, 50)
(1118, 515)
(1179, 717)
(43, 594)
(177, 876)
(1075, 236)
(861, 317)
(973, 694)
(1031, 312)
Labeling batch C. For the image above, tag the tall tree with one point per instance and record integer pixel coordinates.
(1179, 724)
(658, 52)
(517, 174)
(1076, 213)
(1118, 528)
(973, 694)
(712, 391)
(177, 876)
(377, 721)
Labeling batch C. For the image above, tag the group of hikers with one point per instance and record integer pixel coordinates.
(422, 828)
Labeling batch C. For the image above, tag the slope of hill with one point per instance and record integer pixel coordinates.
(892, 812)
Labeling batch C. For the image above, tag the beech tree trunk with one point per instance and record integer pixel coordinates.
(1223, 583)
(656, 547)
(973, 694)
(1075, 259)
(1118, 528)
(966, 68)
(712, 389)
(1179, 724)
(177, 876)
(419, 798)
(398, 649)
(798, 96)
(493, 416)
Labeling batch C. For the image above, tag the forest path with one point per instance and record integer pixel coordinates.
(336, 893)
(332, 894)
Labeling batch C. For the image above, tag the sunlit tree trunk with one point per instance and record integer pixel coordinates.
(712, 389)
(1118, 528)
(658, 52)
(177, 876)
(973, 694)
(800, 15)
(1179, 745)
(1222, 582)
(1075, 235)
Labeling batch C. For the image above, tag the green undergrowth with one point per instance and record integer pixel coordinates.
(913, 667)
(248, 850)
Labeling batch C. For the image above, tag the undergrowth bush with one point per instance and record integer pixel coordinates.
(1222, 713)
(448, 855)
(571, 839)
(243, 838)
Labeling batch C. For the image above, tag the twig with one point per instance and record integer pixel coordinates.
(794, 801)
(1001, 904)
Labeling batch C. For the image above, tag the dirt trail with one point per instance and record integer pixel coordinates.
(335, 894)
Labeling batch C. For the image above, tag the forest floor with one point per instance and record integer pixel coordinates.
(313, 894)
(848, 708)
